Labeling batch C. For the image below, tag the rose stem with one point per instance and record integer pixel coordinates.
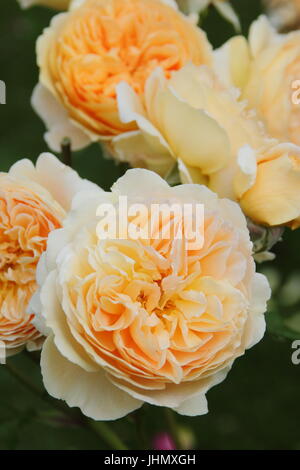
(66, 151)
(173, 428)
(107, 434)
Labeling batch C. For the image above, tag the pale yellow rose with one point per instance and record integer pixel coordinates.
(284, 14)
(191, 119)
(56, 4)
(194, 120)
(147, 319)
(268, 188)
(267, 70)
(34, 201)
(87, 51)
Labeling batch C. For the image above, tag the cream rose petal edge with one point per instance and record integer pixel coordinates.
(92, 392)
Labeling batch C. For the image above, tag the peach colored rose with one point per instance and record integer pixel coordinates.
(33, 202)
(85, 53)
(56, 4)
(267, 69)
(148, 319)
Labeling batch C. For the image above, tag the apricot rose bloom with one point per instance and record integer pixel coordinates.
(56, 4)
(222, 144)
(33, 201)
(266, 68)
(147, 319)
(85, 53)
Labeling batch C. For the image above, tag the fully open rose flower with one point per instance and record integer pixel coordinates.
(267, 70)
(140, 319)
(33, 201)
(222, 144)
(87, 51)
(56, 4)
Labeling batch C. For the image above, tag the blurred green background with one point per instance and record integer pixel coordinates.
(257, 407)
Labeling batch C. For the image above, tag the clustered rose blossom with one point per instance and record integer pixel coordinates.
(87, 51)
(147, 319)
(222, 145)
(33, 202)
